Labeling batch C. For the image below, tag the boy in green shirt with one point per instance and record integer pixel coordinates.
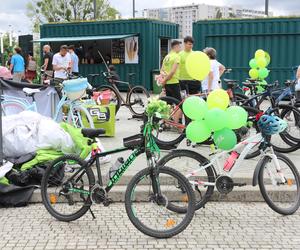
(170, 69)
(187, 83)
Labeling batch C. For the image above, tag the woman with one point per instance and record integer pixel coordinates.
(31, 68)
(217, 69)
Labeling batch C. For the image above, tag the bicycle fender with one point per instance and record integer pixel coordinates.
(256, 171)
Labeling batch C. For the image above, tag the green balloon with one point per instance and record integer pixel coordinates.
(237, 117)
(225, 139)
(195, 108)
(253, 73)
(197, 131)
(216, 119)
(253, 64)
(263, 73)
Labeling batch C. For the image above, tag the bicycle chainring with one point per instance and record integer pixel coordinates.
(224, 184)
(98, 194)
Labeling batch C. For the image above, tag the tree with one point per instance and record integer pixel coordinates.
(232, 15)
(219, 14)
(41, 11)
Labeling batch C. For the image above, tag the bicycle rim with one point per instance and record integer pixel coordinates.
(138, 99)
(67, 199)
(150, 211)
(292, 117)
(280, 187)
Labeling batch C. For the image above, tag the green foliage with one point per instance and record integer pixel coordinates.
(158, 107)
(41, 11)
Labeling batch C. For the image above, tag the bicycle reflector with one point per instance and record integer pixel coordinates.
(259, 115)
(246, 89)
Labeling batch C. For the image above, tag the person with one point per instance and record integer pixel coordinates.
(17, 65)
(75, 60)
(89, 56)
(47, 59)
(62, 63)
(170, 70)
(298, 75)
(187, 83)
(31, 68)
(211, 82)
(8, 62)
(114, 75)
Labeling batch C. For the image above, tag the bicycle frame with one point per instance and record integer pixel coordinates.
(248, 144)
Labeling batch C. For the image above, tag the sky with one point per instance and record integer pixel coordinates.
(13, 12)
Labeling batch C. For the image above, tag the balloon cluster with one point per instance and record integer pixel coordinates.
(259, 65)
(214, 116)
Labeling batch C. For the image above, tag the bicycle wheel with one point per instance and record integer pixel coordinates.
(114, 97)
(80, 117)
(67, 198)
(280, 187)
(147, 201)
(292, 117)
(171, 130)
(189, 163)
(137, 100)
(12, 108)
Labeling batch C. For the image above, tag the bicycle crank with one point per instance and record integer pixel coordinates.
(225, 184)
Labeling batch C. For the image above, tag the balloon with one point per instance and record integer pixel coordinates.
(195, 108)
(253, 73)
(218, 98)
(198, 65)
(216, 119)
(259, 53)
(225, 139)
(268, 58)
(197, 131)
(263, 73)
(237, 117)
(261, 62)
(253, 63)
(263, 83)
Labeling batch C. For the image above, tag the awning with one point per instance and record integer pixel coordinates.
(81, 38)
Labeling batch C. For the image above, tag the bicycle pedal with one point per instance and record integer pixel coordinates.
(107, 202)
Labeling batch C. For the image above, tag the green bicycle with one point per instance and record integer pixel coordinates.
(152, 198)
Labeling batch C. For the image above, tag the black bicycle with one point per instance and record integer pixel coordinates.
(136, 97)
(152, 198)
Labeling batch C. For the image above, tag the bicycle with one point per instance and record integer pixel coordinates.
(69, 180)
(273, 173)
(136, 97)
(69, 111)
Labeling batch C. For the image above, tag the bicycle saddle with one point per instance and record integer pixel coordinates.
(29, 91)
(230, 81)
(93, 75)
(92, 133)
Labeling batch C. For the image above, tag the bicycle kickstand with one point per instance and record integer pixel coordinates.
(92, 213)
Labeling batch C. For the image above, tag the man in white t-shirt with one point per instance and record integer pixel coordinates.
(62, 63)
(217, 69)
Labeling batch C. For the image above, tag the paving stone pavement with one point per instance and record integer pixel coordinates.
(218, 226)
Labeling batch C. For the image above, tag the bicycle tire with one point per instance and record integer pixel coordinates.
(138, 89)
(6, 104)
(263, 191)
(80, 123)
(210, 171)
(285, 112)
(171, 144)
(44, 188)
(110, 88)
(149, 231)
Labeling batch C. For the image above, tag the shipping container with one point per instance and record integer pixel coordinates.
(150, 40)
(237, 40)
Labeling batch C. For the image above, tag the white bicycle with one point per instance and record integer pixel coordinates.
(276, 175)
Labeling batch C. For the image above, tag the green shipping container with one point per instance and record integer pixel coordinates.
(237, 40)
(152, 37)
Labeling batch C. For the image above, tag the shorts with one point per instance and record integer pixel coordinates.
(173, 90)
(192, 87)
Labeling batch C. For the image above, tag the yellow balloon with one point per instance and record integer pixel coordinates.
(259, 53)
(198, 65)
(218, 98)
